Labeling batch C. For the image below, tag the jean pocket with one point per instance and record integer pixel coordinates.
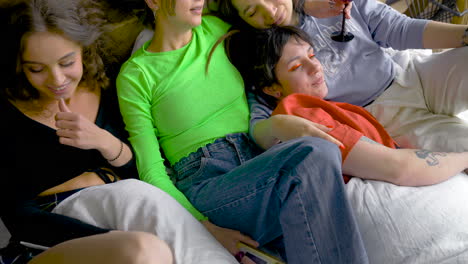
(190, 174)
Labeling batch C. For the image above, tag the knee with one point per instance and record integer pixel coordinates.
(146, 248)
(320, 150)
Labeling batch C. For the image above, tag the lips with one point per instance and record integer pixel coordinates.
(58, 90)
(197, 10)
(279, 19)
(319, 81)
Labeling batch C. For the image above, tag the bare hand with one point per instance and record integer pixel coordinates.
(287, 127)
(327, 8)
(75, 130)
(228, 237)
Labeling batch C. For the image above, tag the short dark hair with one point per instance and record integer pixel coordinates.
(77, 20)
(255, 53)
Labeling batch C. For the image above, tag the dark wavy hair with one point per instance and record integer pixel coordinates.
(255, 54)
(226, 10)
(77, 20)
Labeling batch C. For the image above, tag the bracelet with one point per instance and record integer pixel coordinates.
(118, 155)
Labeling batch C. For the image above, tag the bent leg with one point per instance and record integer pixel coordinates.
(444, 81)
(294, 189)
(114, 247)
(418, 109)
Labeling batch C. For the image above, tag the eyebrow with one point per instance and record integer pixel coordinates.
(297, 57)
(64, 57)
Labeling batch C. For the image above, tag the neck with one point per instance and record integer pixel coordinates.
(167, 38)
(295, 19)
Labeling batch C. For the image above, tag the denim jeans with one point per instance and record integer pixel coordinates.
(294, 190)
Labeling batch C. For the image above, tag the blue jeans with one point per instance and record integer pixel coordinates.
(293, 191)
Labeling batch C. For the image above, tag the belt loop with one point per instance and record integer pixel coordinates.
(206, 152)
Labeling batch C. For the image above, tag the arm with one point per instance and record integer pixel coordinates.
(438, 35)
(388, 27)
(409, 167)
(135, 100)
(280, 128)
(75, 130)
(269, 130)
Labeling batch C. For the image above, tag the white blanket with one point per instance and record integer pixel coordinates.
(412, 224)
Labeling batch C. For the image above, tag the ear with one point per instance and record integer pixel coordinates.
(152, 4)
(274, 90)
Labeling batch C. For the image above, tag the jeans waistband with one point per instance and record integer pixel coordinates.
(219, 144)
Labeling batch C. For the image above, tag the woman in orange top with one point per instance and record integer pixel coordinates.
(287, 76)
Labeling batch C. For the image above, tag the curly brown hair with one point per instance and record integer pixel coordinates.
(78, 20)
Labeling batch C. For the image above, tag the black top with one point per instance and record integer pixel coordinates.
(33, 161)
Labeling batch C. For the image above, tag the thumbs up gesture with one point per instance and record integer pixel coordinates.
(75, 130)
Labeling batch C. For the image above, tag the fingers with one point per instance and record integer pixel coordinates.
(67, 141)
(248, 240)
(323, 133)
(333, 140)
(66, 124)
(247, 260)
(63, 106)
(347, 10)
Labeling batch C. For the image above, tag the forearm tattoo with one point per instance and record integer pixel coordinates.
(429, 156)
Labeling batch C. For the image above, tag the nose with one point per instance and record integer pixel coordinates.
(270, 12)
(313, 67)
(56, 77)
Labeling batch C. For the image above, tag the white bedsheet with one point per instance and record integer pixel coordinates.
(412, 224)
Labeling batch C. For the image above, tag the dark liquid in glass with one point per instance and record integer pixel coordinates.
(342, 36)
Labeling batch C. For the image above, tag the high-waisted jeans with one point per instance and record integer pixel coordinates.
(294, 192)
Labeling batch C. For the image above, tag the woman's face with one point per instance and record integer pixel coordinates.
(187, 14)
(298, 71)
(266, 13)
(52, 64)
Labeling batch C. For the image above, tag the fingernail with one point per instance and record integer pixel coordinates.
(239, 256)
(330, 126)
(341, 147)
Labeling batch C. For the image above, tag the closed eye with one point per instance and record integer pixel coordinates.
(35, 70)
(295, 67)
(252, 13)
(67, 64)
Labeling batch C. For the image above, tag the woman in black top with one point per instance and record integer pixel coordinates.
(62, 131)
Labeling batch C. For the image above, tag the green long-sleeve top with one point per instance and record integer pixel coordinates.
(168, 102)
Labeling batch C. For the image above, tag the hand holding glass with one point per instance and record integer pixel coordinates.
(343, 36)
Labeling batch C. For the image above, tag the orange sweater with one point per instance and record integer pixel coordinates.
(349, 122)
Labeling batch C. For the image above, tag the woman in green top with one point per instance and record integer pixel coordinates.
(290, 196)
